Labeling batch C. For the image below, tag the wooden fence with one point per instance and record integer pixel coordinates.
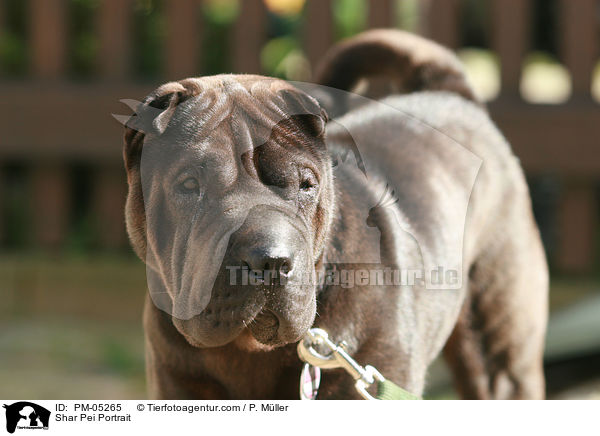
(47, 121)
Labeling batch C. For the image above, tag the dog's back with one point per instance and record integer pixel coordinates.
(459, 187)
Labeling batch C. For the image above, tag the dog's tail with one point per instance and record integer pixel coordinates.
(406, 62)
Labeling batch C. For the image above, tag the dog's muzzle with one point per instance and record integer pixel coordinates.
(274, 257)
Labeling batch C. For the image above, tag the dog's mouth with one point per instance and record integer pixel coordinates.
(264, 327)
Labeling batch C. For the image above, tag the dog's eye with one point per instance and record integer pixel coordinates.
(190, 185)
(306, 184)
(308, 180)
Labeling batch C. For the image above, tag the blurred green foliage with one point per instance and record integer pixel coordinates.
(82, 40)
(148, 36)
(281, 55)
(275, 52)
(284, 44)
(349, 17)
(282, 52)
(13, 36)
(15, 207)
(219, 18)
(13, 54)
(119, 358)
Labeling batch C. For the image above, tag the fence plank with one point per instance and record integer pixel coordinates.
(578, 220)
(50, 205)
(440, 21)
(579, 42)
(249, 36)
(73, 121)
(65, 121)
(318, 30)
(47, 27)
(510, 39)
(108, 204)
(183, 39)
(382, 13)
(561, 139)
(114, 26)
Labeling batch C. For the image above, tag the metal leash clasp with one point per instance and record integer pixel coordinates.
(337, 357)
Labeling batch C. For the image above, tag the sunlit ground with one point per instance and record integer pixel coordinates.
(71, 328)
(71, 358)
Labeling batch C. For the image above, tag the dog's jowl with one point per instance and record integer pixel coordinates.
(398, 220)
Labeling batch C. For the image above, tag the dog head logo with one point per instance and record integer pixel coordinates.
(26, 415)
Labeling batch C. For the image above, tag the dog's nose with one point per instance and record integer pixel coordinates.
(265, 259)
(267, 241)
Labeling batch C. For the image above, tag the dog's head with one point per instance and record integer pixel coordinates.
(229, 204)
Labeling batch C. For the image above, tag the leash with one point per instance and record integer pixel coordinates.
(338, 357)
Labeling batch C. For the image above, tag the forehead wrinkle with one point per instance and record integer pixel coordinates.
(259, 102)
(214, 106)
(207, 118)
(269, 103)
(219, 150)
(242, 135)
(254, 123)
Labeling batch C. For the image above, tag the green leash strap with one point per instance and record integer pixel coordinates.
(386, 390)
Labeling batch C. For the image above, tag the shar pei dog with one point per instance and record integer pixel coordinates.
(381, 205)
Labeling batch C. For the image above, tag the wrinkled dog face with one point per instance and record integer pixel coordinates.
(229, 204)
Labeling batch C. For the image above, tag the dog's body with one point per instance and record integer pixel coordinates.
(491, 327)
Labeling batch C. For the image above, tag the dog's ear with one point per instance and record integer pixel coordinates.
(152, 115)
(306, 109)
(155, 112)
